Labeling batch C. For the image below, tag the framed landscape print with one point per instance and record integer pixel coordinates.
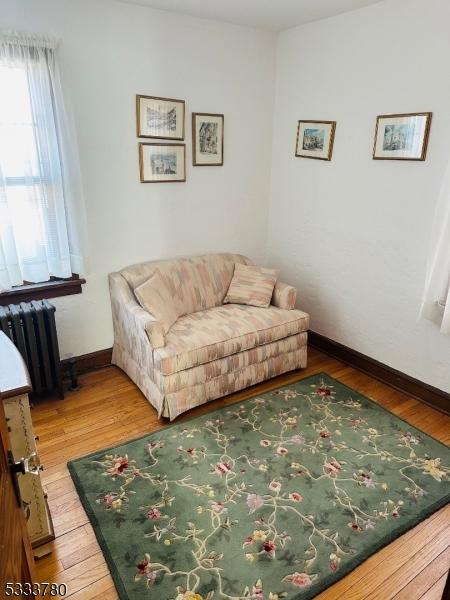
(402, 137)
(207, 139)
(160, 163)
(315, 139)
(160, 117)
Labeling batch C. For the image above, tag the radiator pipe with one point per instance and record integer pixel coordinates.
(74, 385)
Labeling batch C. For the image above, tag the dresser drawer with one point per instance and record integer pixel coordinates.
(23, 445)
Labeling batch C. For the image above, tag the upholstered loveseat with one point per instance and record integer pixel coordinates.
(214, 349)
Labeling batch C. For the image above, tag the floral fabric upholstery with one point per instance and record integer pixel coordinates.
(214, 349)
(222, 331)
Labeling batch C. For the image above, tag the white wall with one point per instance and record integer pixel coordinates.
(353, 234)
(109, 52)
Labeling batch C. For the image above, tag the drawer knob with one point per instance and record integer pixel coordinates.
(26, 465)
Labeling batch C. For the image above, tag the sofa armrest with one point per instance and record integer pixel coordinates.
(135, 329)
(284, 295)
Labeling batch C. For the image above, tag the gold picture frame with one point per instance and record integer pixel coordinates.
(207, 139)
(402, 136)
(315, 139)
(160, 118)
(162, 163)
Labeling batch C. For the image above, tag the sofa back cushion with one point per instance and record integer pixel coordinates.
(196, 283)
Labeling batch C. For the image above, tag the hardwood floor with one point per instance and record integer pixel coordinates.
(110, 409)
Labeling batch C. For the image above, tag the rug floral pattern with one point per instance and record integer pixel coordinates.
(276, 497)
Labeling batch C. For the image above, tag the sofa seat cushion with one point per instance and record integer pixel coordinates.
(208, 335)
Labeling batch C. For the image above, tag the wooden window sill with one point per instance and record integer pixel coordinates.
(38, 291)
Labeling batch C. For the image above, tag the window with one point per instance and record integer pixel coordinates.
(35, 235)
(436, 296)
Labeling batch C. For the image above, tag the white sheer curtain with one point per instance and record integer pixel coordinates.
(42, 221)
(436, 297)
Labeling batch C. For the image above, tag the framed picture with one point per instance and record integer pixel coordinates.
(207, 139)
(402, 137)
(160, 117)
(160, 163)
(315, 139)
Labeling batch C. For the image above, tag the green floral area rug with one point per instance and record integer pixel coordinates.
(274, 498)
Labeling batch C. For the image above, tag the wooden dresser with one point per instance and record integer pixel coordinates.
(14, 388)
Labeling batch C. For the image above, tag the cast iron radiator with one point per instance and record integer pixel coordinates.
(31, 327)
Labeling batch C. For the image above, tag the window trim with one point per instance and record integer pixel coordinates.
(38, 291)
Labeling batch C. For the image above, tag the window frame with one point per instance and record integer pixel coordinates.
(54, 288)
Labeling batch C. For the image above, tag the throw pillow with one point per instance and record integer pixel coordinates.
(251, 285)
(155, 297)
